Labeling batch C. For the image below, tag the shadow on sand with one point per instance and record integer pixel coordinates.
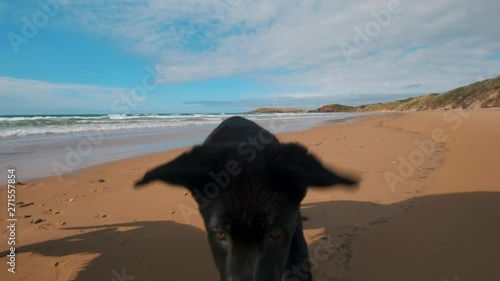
(147, 250)
(434, 237)
(437, 237)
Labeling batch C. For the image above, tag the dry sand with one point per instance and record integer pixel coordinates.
(436, 218)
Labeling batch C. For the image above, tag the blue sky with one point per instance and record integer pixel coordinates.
(89, 56)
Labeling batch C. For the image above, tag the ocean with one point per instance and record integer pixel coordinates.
(44, 145)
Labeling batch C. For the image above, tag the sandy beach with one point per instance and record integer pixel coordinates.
(427, 209)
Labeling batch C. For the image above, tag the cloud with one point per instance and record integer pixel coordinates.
(24, 95)
(437, 45)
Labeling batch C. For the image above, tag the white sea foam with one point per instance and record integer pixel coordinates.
(41, 130)
(40, 125)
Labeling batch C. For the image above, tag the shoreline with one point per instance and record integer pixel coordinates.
(180, 150)
(40, 156)
(440, 213)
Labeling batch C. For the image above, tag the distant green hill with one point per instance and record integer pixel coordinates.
(277, 110)
(481, 94)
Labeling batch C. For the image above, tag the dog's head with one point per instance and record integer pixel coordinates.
(250, 203)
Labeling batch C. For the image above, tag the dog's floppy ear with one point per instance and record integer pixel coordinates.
(184, 170)
(295, 163)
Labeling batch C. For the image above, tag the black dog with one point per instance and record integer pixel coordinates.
(249, 187)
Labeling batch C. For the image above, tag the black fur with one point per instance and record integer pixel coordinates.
(249, 187)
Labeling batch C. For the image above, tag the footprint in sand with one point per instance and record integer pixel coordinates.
(101, 189)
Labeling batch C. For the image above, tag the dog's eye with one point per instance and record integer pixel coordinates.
(220, 235)
(275, 234)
